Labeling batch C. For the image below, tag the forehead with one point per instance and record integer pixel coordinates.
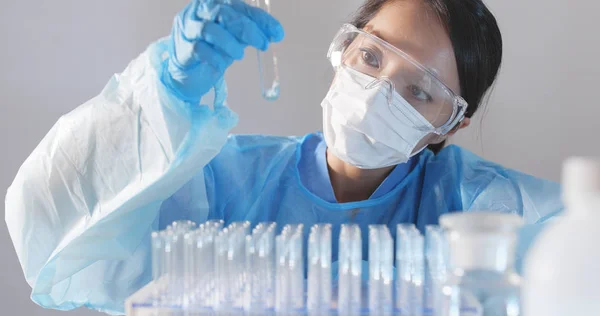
(410, 26)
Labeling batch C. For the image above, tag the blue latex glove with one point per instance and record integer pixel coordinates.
(207, 36)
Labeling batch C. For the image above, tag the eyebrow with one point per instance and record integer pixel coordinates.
(378, 35)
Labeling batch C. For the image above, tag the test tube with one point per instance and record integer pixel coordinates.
(267, 61)
(225, 267)
(417, 274)
(319, 269)
(176, 269)
(289, 269)
(252, 290)
(171, 268)
(404, 237)
(205, 266)
(296, 266)
(260, 267)
(231, 263)
(266, 253)
(281, 279)
(158, 248)
(189, 275)
(350, 270)
(158, 263)
(182, 226)
(181, 261)
(213, 224)
(436, 267)
(381, 257)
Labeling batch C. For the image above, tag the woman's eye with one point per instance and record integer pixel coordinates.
(369, 58)
(419, 93)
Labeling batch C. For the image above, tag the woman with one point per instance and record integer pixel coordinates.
(409, 74)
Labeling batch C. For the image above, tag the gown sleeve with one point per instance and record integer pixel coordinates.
(81, 207)
(486, 186)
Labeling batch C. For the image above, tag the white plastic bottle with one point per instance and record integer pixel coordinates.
(562, 269)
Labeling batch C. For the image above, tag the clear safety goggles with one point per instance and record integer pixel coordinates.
(397, 72)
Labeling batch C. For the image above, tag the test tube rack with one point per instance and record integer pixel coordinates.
(215, 270)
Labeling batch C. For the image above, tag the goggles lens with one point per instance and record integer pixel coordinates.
(399, 75)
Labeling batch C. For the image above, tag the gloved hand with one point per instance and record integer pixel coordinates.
(207, 36)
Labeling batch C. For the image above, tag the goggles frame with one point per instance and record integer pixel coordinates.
(458, 103)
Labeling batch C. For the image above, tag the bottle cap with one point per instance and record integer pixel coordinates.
(580, 179)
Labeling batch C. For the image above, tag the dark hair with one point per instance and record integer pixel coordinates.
(476, 40)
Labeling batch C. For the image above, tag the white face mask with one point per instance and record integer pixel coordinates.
(363, 129)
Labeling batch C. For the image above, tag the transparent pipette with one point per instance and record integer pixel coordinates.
(319, 269)
(350, 270)
(267, 61)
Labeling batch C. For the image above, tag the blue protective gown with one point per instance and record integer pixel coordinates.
(135, 158)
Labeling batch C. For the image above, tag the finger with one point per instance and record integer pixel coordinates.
(241, 27)
(195, 29)
(217, 36)
(206, 53)
(190, 53)
(190, 24)
(266, 22)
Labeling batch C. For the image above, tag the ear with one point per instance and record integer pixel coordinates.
(465, 123)
(436, 139)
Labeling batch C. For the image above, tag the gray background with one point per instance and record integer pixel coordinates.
(57, 54)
